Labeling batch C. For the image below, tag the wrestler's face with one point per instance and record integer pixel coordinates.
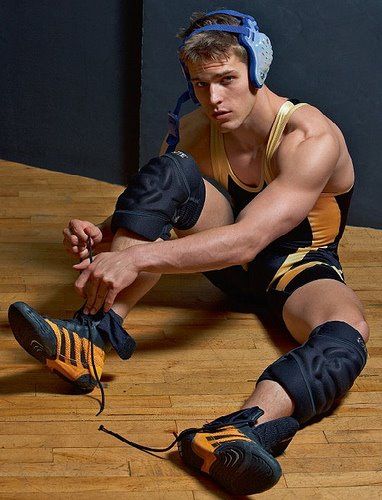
(222, 87)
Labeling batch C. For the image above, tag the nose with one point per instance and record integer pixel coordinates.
(215, 94)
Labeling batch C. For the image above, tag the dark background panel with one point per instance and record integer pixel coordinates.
(71, 79)
(70, 85)
(326, 53)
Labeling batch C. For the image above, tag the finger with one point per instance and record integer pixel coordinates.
(79, 240)
(66, 232)
(76, 227)
(91, 293)
(110, 298)
(73, 251)
(82, 265)
(70, 238)
(83, 254)
(94, 232)
(80, 283)
(67, 237)
(100, 297)
(75, 240)
(69, 248)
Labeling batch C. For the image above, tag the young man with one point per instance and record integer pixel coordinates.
(257, 193)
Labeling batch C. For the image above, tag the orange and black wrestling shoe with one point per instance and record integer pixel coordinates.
(235, 453)
(73, 349)
(233, 450)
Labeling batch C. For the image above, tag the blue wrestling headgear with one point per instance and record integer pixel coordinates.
(259, 51)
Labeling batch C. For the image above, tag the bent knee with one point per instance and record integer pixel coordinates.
(363, 328)
(167, 192)
(358, 324)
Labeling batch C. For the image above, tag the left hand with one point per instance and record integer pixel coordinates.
(104, 278)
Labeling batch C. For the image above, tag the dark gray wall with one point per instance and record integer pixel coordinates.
(326, 52)
(70, 85)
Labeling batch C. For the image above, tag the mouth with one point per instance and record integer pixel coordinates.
(220, 115)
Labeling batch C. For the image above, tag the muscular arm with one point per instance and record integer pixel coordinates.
(304, 172)
(305, 169)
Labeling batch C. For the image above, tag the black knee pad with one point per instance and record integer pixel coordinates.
(321, 370)
(167, 192)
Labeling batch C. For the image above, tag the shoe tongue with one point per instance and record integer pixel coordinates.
(249, 414)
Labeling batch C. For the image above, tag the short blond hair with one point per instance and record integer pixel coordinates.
(210, 45)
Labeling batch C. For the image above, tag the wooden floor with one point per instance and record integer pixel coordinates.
(198, 357)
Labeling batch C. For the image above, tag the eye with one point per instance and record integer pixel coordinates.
(228, 79)
(199, 84)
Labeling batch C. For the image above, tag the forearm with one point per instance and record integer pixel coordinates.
(211, 249)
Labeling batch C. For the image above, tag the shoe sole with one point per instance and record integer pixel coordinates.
(241, 468)
(38, 340)
(31, 333)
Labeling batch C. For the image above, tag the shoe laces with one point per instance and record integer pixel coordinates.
(91, 331)
(84, 319)
(207, 428)
(91, 327)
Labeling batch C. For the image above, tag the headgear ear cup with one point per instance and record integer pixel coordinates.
(259, 50)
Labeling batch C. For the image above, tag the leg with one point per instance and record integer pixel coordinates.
(303, 383)
(169, 191)
(319, 301)
(127, 299)
(216, 212)
(314, 304)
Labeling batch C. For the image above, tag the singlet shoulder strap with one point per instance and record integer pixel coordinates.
(281, 120)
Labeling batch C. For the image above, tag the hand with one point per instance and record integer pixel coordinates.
(76, 237)
(102, 280)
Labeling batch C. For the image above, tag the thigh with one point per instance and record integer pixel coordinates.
(216, 212)
(320, 301)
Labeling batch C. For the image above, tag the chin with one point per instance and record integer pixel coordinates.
(229, 126)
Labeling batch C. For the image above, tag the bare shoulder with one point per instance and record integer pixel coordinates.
(195, 138)
(194, 123)
(313, 144)
(309, 122)
(309, 129)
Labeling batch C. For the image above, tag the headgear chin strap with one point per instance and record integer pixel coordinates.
(259, 51)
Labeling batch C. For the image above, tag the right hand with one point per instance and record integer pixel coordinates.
(76, 237)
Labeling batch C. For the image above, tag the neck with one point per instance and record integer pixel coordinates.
(254, 131)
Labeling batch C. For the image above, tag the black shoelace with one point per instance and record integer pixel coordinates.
(211, 427)
(91, 326)
(99, 383)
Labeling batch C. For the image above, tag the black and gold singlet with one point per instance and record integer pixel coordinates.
(307, 252)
